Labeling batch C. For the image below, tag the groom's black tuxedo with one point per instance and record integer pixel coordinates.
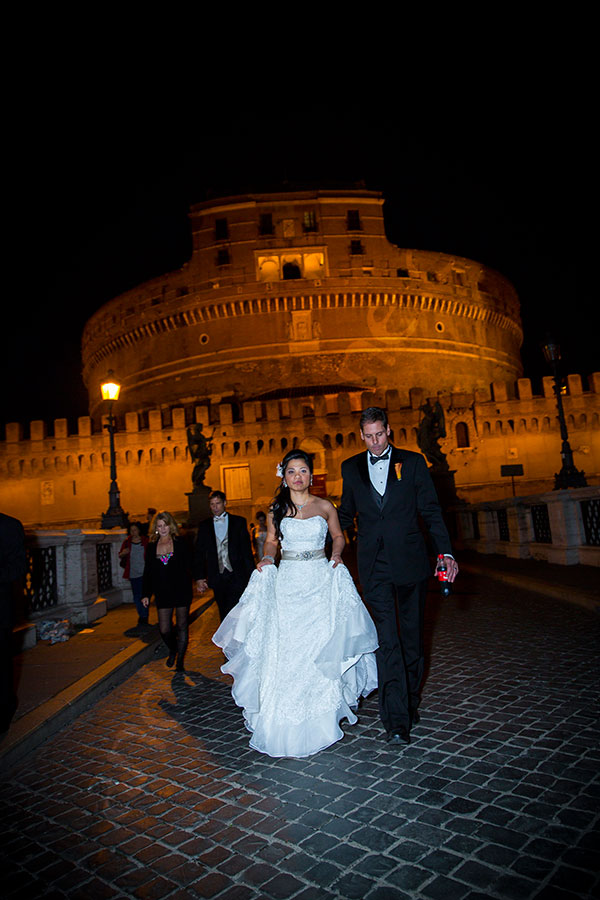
(394, 567)
(388, 525)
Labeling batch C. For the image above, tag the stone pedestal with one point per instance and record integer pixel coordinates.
(198, 504)
(446, 491)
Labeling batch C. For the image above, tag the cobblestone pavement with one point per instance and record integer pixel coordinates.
(154, 792)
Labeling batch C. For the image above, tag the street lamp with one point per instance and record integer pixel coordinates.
(569, 476)
(114, 517)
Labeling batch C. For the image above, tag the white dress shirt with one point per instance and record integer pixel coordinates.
(220, 523)
(378, 471)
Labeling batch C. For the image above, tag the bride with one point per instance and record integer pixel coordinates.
(299, 644)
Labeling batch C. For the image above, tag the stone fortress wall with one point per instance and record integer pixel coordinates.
(63, 478)
(302, 289)
(293, 313)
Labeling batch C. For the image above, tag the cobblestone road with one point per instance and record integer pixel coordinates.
(154, 793)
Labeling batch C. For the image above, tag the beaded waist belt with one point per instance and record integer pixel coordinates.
(302, 554)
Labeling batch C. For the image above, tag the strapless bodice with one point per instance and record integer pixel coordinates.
(303, 534)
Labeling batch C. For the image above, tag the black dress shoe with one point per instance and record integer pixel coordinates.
(398, 737)
(171, 660)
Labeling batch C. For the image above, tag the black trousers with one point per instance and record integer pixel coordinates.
(398, 612)
(227, 587)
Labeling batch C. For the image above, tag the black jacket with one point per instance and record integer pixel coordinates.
(206, 560)
(390, 524)
(179, 568)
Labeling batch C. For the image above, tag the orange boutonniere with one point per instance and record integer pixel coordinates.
(398, 470)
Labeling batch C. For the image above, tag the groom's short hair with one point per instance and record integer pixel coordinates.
(218, 494)
(373, 414)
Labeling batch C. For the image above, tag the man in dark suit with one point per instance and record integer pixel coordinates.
(13, 565)
(388, 489)
(223, 557)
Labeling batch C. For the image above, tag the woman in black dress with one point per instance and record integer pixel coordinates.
(168, 575)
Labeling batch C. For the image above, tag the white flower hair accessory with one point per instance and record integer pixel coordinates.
(279, 471)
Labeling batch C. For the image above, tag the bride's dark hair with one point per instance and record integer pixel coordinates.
(283, 504)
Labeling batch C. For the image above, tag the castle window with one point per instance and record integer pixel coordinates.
(402, 273)
(291, 270)
(265, 224)
(223, 257)
(356, 248)
(462, 434)
(309, 220)
(221, 230)
(353, 220)
(458, 277)
(432, 276)
(236, 482)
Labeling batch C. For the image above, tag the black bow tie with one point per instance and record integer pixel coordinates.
(375, 459)
(219, 518)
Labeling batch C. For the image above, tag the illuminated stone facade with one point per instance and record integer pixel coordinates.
(294, 313)
(297, 291)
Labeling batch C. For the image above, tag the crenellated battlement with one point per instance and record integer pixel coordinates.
(270, 426)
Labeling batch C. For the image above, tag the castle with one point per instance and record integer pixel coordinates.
(293, 313)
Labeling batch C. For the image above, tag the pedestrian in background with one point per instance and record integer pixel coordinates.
(133, 556)
(168, 576)
(145, 526)
(259, 535)
(223, 557)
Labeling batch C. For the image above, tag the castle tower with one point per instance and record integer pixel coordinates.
(301, 292)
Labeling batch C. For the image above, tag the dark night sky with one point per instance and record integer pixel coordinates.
(103, 194)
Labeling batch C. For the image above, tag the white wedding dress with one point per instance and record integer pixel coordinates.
(300, 647)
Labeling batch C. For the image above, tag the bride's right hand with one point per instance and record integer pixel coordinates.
(265, 561)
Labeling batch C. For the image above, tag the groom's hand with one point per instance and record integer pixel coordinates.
(452, 567)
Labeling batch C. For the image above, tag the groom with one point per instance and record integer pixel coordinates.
(388, 489)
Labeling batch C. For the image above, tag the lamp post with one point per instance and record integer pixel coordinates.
(114, 517)
(569, 476)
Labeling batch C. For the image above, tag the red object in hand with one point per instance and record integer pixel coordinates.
(441, 572)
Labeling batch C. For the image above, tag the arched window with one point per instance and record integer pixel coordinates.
(291, 270)
(462, 434)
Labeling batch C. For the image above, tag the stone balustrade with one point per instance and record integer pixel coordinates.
(559, 526)
(72, 574)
